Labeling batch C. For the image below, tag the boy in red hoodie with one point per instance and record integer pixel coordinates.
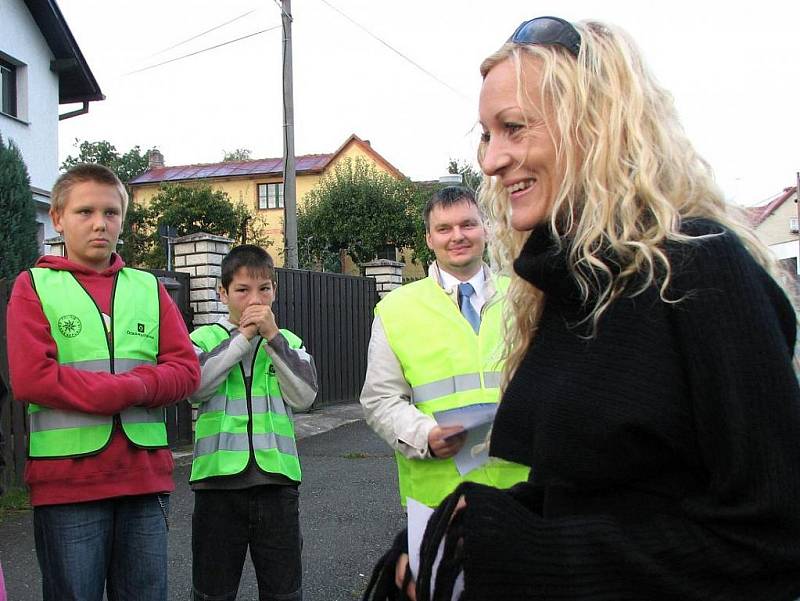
(98, 350)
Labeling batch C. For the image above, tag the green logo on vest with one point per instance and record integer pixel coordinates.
(69, 326)
(141, 331)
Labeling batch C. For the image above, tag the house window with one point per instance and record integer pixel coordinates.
(793, 222)
(270, 196)
(8, 88)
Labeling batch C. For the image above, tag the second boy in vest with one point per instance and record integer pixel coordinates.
(436, 345)
(246, 471)
(98, 350)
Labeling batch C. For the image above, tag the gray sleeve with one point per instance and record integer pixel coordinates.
(296, 373)
(216, 363)
(386, 398)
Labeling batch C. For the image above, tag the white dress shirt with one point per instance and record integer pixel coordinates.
(450, 284)
(386, 395)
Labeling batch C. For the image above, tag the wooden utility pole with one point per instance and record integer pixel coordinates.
(289, 176)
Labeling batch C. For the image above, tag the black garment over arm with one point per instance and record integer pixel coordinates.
(665, 451)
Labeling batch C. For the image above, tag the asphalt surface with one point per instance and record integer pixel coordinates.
(349, 513)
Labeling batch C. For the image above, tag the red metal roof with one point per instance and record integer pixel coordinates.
(308, 163)
(757, 215)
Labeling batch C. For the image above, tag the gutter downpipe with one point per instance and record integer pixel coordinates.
(81, 111)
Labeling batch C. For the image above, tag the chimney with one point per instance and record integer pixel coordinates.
(155, 160)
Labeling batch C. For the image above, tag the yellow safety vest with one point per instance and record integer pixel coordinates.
(239, 421)
(84, 342)
(447, 365)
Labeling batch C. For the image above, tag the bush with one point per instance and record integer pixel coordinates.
(19, 249)
(189, 209)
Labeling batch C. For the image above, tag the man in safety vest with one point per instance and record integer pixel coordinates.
(436, 345)
(246, 471)
(97, 350)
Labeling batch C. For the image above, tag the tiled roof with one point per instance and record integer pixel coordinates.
(757, 215)
(309, 163)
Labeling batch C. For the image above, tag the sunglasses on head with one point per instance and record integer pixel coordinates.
(548, 30)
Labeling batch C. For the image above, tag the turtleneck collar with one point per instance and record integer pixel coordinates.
(543, 263)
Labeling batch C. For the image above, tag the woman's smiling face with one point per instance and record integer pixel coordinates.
(518, 148)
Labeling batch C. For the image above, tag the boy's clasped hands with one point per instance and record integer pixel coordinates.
(258, 319)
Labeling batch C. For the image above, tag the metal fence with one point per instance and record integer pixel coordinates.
(12, 415)
(332, 313)
(178, 416)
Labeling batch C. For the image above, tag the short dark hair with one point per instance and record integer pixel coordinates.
(447, 197)
(255, 259)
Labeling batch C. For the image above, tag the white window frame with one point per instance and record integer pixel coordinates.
(270, 196)
(794, 225)
(17, 73)
(9, 89)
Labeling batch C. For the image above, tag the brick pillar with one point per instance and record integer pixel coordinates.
(200, 255)
(58, 247)
(388, 274)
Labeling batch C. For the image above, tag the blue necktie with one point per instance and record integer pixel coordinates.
(465, 291)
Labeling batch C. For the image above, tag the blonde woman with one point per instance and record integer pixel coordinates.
(649, 381)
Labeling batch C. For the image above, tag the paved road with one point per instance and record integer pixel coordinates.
(349, 514)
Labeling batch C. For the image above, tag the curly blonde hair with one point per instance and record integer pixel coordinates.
(630, 177)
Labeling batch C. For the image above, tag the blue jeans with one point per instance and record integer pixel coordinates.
(119, 544)
(226, 522)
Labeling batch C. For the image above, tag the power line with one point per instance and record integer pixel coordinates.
(172, 60)
(390, 47)
(283, 12)
(194, 37)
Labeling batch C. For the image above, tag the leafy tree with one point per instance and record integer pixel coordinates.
(127, 166)
(355, 210)
(240, 154)
(470, 176)
(422, 192)
(254, 228)
(18, 228)
(135, 235)
(190, 210)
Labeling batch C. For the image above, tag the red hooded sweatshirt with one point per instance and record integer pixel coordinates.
(120, 469)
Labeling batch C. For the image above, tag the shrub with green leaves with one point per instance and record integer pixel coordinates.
(357, 209)
(19, 249)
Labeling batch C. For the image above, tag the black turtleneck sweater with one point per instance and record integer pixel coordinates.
(665, 450)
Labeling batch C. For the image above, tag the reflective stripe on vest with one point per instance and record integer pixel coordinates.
(236, 423)
(82, 342)
(462, 383)
(239, 406)
(241, 442)
(452, 367)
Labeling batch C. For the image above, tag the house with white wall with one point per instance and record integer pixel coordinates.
(41, 68)
(777, 223)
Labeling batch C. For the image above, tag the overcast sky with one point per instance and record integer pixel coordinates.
(733, 68)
